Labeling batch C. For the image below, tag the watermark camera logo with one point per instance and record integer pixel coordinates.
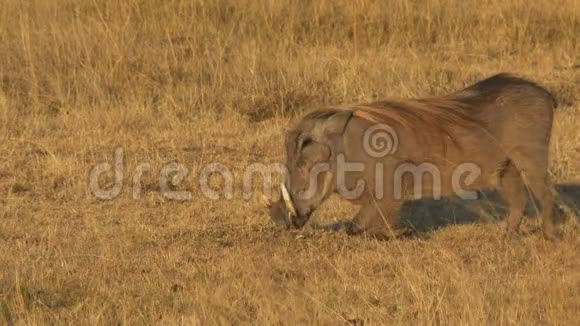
(379, 142)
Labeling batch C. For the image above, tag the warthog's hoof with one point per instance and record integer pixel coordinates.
(353, 229)
(552, 236)
(512, 235)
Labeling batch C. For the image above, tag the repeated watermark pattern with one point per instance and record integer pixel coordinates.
(379, 141)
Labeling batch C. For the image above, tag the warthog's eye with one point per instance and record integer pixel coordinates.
(307, 141)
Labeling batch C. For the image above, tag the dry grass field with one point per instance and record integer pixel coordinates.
(200, 82)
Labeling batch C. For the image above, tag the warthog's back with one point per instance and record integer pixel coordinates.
(482, 125)
(514, 110)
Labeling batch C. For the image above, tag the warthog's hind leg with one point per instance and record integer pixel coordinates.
(543, 192)
(533, 171)
(516, 196)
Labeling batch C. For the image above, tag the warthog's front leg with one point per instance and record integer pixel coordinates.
(376, 220)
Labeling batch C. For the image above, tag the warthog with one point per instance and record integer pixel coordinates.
(493, 134)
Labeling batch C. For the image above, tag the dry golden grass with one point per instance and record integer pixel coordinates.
(197, 82)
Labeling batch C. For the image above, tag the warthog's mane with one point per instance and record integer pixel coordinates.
(428, 117)
(433, 113)
(440, 116)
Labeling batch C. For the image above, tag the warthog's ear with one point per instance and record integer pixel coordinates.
(336, 123)
(333, 128)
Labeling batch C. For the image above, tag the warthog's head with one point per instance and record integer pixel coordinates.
(311, 149)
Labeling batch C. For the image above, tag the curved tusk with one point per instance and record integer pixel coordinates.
(287, 200)
(265, 201)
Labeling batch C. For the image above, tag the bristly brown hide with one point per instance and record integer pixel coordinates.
(499, 128)
(429, 116)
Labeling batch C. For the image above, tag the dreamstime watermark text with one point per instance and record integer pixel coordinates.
(350, 179)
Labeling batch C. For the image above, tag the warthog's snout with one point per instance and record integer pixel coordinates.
(283, 211)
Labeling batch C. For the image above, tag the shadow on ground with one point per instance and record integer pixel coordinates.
(427, 215)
